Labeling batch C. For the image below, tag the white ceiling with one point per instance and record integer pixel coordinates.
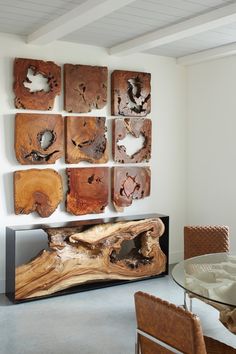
(114, 24)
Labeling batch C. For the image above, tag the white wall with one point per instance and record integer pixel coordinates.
(212, 144)
(168, 192)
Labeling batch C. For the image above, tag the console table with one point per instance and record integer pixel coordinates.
(87, 254)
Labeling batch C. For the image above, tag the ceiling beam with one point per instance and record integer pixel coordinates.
(80, 16)
(206, 55)
(188, 28)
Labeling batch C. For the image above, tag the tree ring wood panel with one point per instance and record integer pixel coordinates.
(91, 254)
(136, 127)
(38, 138)
(37, 190)
(130, 93)
(41, 99)
(85, 87)
(128, 184)
(87, 190)
(86, 139)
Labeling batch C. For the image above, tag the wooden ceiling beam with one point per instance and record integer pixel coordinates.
(80, 16)
(188, 28)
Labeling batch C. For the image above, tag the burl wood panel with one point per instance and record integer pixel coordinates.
(129, 183)
(85, 87)
(86, 139)
(130, 93)
(136, 127)
(38, 138)
(40, 100)
(37, 190)
(77, 256)
(88, 190)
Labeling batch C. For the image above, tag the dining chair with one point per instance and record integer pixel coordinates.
(164, 328)
(200, 240)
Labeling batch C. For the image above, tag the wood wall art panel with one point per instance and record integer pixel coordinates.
(100, 251)
(87, 190)
(42, 99)
(37, 190)
(136, 127)
(130, 93)
(39, 138)
(86, 139)
(85, 87)
(128, 184)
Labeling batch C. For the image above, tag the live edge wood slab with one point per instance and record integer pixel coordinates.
(87, 254)
(130, 93)
(41, 99)
(87, 190)
(37, 190)
(86, 139)
(38, 138)
(85, 87)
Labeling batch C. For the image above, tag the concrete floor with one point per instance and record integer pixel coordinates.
(98, 321)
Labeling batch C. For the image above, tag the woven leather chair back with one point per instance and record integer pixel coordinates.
(199, 240)
(166, 322)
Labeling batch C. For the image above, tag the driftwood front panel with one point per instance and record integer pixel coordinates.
(37, 190)
(130, 93)
(39, 138)
(128, 184)
(88, 254)
(86, 139)
(40, 99)
(87, 190)
(136, 127)
(85, 87)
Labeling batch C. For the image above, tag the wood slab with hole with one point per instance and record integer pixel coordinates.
(135, 127)
(86, 139)
(87, 190)
(93, 254)
(30, 130)
(85, 87)
(130, 93)
(129, 184)
(37, 190)
(40, 100)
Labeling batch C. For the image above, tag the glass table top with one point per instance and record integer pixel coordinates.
(211, 276)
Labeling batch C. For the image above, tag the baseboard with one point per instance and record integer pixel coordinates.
(2, 286)
(175, 257)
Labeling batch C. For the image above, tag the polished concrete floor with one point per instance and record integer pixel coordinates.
(98, 321)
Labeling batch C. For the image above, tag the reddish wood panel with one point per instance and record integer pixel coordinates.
(130, 93)
(38, 138)
(86, 139)
(37, 190)
(40, 100)
(88, 190)
(129, 183)
(85, 87)
(136, 127)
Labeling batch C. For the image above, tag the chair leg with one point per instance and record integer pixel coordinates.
(185, 302)
(137, 345)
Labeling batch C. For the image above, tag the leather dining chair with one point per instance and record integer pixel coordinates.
(164, 328)
(200, 240)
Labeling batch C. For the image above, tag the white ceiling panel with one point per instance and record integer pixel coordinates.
(197, 43)
(24, 17)
(34, 13)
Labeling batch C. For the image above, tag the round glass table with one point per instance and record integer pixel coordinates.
(211, 278)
